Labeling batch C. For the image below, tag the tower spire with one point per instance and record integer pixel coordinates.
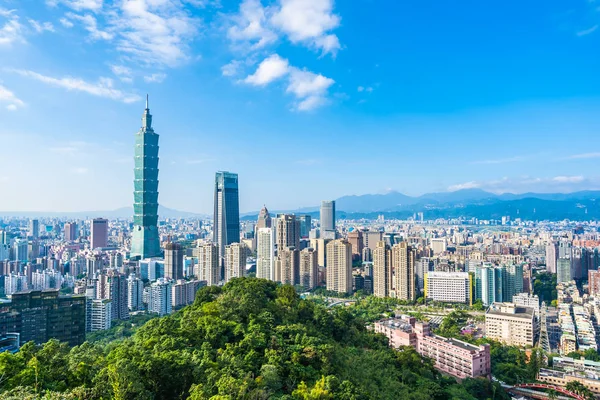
(146, 101)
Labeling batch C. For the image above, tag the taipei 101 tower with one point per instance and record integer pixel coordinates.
(145, 242)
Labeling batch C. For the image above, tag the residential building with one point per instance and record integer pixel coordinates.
(113, 285)
(287, 266)
(339, 266)
(265, 253)
(308, 268)
(174, 253)
(135, 291)
(208, 268)
(288, 231)
(382, 270)
(184, 292)
(403, 262)
(594, 283)
(98, 315)
(235, 260)
(356, 240)
(160, 297)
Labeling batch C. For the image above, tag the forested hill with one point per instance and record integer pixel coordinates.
(251, 339)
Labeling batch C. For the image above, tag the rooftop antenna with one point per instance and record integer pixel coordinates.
(146, 101)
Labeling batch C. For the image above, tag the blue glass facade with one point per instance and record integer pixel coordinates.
(226, 228)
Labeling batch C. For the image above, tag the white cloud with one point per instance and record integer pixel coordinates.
(361, 89)
(66, 23)
(309, 87)
(462, 186)
(78, 5)
(157, 77)
(90, 24)
(154, 31)
(124, 73)
(587, 31)
(231, 69)
(250, 26)
(582, 156)
(80, 170)
(40, 27)
(6, 96)
(12, 30)
(102, 88)
(309, 22)
(270, 69)
(568, 179)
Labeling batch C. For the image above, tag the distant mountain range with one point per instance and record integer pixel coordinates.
(122, 213)
(471, 203)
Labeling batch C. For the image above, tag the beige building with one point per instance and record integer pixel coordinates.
(235, 260)
(356, 240)
(287, 266)
(511, 324)
(265, 253)
(403, 262)
(320, 246)
(208, 263)
(308, 268)
(339, 266)
(288, 231)
(382, 270)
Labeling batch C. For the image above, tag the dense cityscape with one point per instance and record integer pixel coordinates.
(452, 290)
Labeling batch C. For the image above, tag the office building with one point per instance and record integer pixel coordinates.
(135, 292)
(20, 250)
(287, 266)
(288, 231)
(423, 266)
(226, 228)
(208, 268)
(308, 268)
(511, 324)
(382, 270)
(99, 233)
(327, 216)
(305, 225)
(339, 266)
(98, 315)
(160, 297)
(39, 316)
(235, 260)
(264, 219)
(438, 245)
(448, 287)
(70, 231)
(265, 253)
(174, 253)
(145, 242)
(403, 262)
(34, 229)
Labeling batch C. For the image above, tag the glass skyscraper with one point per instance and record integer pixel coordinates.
(145, 242)
(226, 229)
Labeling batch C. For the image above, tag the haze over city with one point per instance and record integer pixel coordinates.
(306, 100)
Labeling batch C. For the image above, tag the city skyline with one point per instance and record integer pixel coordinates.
(514, 107)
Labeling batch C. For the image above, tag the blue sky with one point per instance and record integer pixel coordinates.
(305, 99)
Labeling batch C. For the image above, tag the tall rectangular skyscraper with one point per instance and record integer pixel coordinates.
(327, 216)
(145, 242)
(226, 229)
(34, 228)
(99, 237)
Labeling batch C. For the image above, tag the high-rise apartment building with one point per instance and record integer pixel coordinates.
(339, 266)
(264, 219)
(160, 297)
(594, 283)
(174, 253)
(235, 260)
(20, 250)
(113, 285)
(382, 270)
(356, 240)
(208, 268)
(403, 262)
(226, 228)
(563, 270)
(98, 315)
(288, 231)
(135, 292)
(265, 253)
(99, 233)
(70, 231)
(184, 292)
(145, 242)
(551, 257)
(287, 266)
(327, 216)
(309, 268)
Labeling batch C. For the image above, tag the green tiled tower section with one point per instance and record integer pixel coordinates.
(145, 241)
